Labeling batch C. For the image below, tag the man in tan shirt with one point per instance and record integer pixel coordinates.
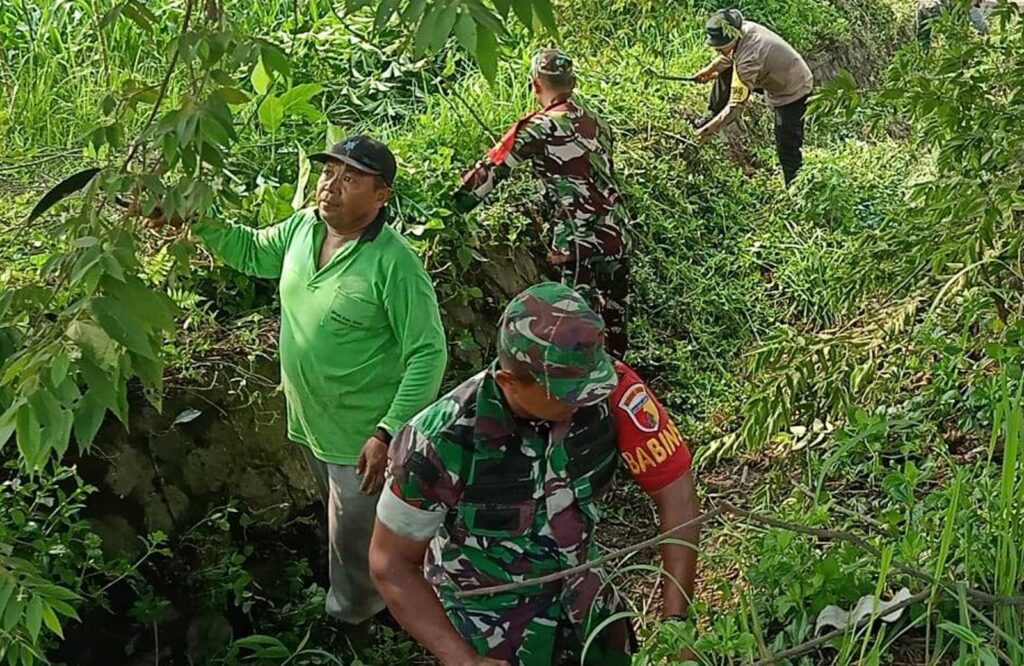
(752, 58)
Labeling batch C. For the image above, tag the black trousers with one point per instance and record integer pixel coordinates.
(789, 124)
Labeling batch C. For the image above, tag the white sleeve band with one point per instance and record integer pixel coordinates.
(408, 521)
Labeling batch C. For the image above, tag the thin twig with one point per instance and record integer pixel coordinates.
(164, 85)
(729, 508)
(33, 163)
(843, 510)
(978, 595)
(669, 77)
(586, 566)
(480, 121)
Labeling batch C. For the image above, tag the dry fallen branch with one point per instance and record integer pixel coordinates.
(728, 508)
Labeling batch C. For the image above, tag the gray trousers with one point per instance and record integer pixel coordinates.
(350, 516)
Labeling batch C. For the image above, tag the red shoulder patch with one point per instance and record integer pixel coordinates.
(649, 443)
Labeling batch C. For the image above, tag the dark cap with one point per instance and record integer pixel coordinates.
(363, 153)
(723, 27)
(552, 63)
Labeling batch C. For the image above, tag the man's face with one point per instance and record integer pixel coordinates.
(727, 49)
(345, 195)
(532, 398)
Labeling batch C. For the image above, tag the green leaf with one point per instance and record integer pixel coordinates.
(12, 613)
(211, 155)
(63, 608)
(212, 132)
(271, 112)
(121, 324)
(274, 58)
(502, 7)
(259, 78)
(485, 18)
(30, 435)
(138, 13)
(112, 266)
(335, 134)
(88, 418)
(34, 617)
(111, 15)
(218, 111)
(487, 52)
(524, 11)
(547, 17)
(94, 343)
(385, 10)
(233, 95)
(465, 32)
(443, 25)
(8, 424)
(425, 30)
(6, 590)
(51, 621)
(60, 367)
(57, 435)
(151, 373)
(299, 200)
(299, 95)
(62, 190)
(961, 632)
(45, 406)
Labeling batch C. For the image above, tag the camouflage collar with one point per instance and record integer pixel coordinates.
(564, 98)
(495, 423)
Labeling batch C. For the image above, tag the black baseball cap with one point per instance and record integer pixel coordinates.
(363, 153)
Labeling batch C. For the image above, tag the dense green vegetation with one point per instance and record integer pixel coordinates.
(845, 355)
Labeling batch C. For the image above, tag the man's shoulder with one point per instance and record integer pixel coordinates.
(303, 217)
(397, 250)
(452, 417)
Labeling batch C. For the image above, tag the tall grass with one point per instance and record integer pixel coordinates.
(1008, 514)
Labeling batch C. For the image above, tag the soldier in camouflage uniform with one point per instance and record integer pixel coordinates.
(498, 482)
(570, 149)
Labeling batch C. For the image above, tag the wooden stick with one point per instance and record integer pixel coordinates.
(586, 566)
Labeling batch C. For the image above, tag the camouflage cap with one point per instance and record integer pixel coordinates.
(551, 332)
(553, 64)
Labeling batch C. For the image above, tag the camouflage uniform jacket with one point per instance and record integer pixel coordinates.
(570, 149)
(519, 501)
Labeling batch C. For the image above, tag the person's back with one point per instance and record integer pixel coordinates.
(765, 60)
(569, 149)
(576, 166)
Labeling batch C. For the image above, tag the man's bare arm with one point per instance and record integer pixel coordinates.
(396, 566)
(678, 503)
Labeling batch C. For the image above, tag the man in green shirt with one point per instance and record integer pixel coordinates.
(362, 347)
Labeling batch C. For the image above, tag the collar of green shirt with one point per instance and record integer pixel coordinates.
(371, 232)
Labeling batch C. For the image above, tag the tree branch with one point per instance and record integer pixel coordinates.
(164, 85)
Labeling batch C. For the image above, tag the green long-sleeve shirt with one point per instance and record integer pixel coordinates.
(361, 339)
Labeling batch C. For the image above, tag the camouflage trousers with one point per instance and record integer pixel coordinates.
(604, 282)
(544, 629)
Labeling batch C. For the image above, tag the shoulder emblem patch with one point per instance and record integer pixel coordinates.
(639, 404)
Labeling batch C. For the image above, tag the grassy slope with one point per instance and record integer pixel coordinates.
(727, 261)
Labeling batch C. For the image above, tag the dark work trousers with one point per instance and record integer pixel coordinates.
(789, 124)
(789, 137)
(604, 283)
